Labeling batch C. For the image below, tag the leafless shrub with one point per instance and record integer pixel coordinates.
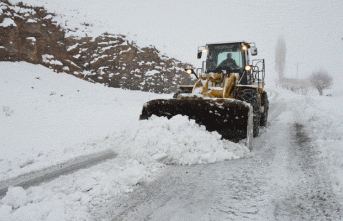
(299, 86)
(320, 80)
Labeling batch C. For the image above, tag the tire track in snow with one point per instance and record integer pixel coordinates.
(284, 181)
(36, 177)
(311, 197)
(301, 188)
(229, 190)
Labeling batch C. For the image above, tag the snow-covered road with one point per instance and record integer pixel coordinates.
(285, 180)
(163, 169)
(44, 175)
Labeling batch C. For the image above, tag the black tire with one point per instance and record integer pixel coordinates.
(265, 105)
(252, 97)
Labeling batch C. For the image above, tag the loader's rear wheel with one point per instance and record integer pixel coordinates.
(265, 105)
(252, 97)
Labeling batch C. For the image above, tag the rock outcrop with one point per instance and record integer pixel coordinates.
(31, 34)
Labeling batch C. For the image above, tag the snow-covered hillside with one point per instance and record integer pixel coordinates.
(51, 118)
(33, 34)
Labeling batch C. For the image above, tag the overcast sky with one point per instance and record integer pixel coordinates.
(312, 29)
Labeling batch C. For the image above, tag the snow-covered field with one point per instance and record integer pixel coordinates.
(48, 119)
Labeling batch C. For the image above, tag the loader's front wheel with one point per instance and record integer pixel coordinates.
(176, 94)
(252, 97)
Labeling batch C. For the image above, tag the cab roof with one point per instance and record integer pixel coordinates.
(228, 42)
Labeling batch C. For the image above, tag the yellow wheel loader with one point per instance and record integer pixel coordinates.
(228, 96)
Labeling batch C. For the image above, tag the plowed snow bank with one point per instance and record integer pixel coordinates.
(175, 141)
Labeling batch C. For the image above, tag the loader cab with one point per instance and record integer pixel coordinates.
(218, 54)
(240, 53)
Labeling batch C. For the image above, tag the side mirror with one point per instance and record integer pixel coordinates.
(199, 54)
(253, 51)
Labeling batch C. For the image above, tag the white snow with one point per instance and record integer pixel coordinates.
(177, 141)
(48, 17)
(42, 128)
(51, 118)
(33, 39)
(31, 21)
(50, 60)
(72, 47)
(7, 22)
(152, 72)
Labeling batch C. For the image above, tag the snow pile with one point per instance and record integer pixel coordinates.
(176, 141)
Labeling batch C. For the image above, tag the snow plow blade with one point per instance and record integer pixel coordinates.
(233, 119)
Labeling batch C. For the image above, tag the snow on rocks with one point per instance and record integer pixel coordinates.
(50, 60)
(7, 22)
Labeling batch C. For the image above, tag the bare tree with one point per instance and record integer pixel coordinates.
(321, 80)
(280, 57)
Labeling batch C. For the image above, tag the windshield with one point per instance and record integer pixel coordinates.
(224, 57)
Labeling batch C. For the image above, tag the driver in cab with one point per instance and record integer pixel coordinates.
(228, 62)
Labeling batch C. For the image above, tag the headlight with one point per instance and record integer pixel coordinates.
(189, 71)
(204, 50)
(248, 67)
(245, 47)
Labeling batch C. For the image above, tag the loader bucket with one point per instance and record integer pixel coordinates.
(233, 119)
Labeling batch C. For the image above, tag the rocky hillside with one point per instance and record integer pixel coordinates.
(32, 34)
